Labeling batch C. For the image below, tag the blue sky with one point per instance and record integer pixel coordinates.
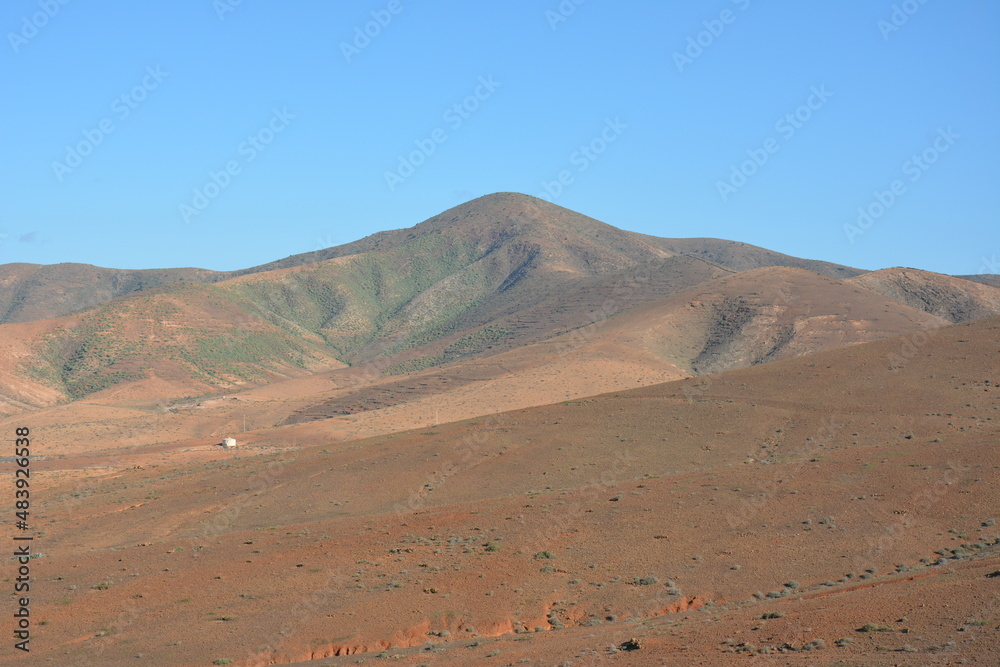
(225, 134)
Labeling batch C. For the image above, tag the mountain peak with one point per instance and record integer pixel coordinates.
(514, 207)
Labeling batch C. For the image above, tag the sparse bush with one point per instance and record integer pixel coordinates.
(223, 661)
(872, 627)
(544, 554)
(774, 614)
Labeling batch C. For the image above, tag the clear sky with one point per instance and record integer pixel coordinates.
(227, 133)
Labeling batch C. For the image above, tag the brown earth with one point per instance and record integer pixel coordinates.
(833, 481)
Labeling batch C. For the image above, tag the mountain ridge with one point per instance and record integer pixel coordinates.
(483, 278)
(33, 291)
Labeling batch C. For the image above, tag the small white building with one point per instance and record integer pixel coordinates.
(229, 442)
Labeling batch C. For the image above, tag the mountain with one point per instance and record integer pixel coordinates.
(578, 241)
(516, 234)
(454, 272)
(485, 278)
(952, 298)
(762, 315)
(176, 340)
(744, 257)
(558, 239)
(31, 292)
(650, 327)
(731, 321)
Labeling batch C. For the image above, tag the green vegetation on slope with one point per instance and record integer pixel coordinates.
(473, 343)
(353, 301)
(195, 331)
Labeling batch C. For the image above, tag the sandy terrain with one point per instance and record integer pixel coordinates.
(835, 483)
